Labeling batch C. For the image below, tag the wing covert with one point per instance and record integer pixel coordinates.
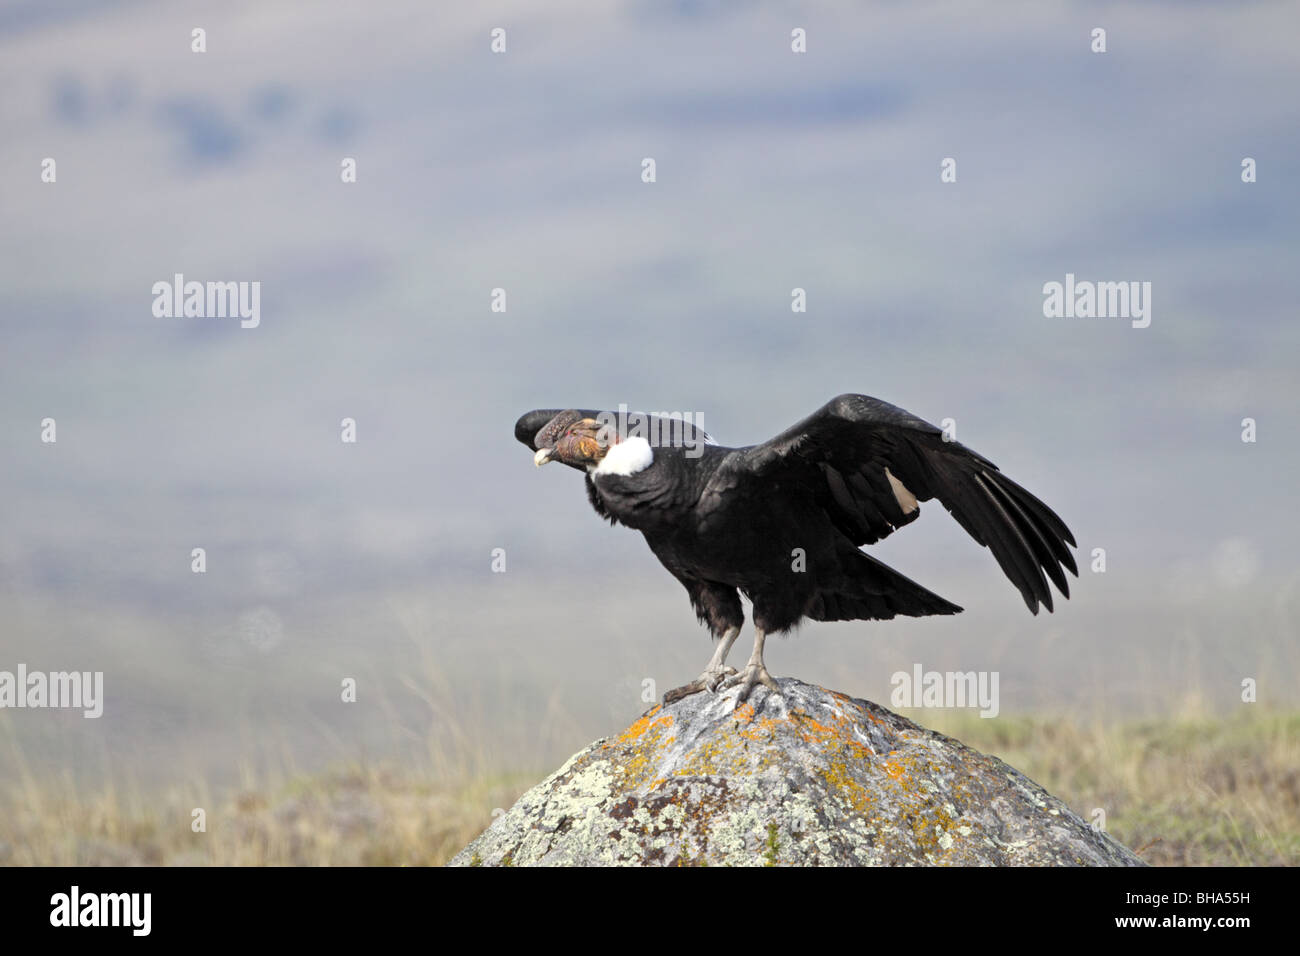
(868, 463)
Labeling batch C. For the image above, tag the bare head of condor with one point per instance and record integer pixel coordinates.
(783, 522)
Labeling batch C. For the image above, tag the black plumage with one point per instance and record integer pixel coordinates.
(783, 522)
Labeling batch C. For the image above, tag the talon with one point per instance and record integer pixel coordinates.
(710, 680)
(753, 674)
(714, 680)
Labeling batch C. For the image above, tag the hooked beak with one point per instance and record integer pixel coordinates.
(543, 456)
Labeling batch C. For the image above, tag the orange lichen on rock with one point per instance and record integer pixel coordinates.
(644, 724)
(744, 713)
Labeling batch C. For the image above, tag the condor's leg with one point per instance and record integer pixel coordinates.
(719, 607)
(754, 672)
(714, 672)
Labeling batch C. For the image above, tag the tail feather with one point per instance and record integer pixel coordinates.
(871, 591)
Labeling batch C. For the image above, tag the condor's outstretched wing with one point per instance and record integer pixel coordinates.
(868, 463)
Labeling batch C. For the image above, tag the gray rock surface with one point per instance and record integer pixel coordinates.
(807, 777)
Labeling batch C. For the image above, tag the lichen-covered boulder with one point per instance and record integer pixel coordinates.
(807, 777)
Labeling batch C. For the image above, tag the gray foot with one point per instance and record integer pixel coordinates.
(752, 675)
(710, 680)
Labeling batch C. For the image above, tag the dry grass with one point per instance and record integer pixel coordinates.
(348, 817)
(1191, 791)
(1195, 791)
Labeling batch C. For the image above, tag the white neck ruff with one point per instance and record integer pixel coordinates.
(626, 458)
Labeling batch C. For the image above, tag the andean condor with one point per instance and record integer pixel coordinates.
(728, 520)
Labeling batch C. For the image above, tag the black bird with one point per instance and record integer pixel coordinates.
(782, 522)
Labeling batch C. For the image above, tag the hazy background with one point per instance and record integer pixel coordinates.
(328, 560)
